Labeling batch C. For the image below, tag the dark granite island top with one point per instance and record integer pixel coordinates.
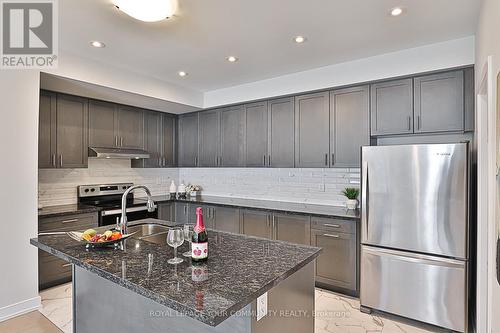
(240, 268)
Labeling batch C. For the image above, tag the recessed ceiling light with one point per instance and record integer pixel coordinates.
(396, 11)
(182, 74)
(232, 59)
(147, 11)
(299, 39)
(98, 44)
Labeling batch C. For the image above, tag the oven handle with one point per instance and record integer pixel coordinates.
(129, 210)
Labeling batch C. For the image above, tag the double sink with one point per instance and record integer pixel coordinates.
(153, 233)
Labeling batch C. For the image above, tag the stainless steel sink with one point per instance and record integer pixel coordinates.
(153, 233)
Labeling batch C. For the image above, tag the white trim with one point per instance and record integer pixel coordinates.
(20, 308)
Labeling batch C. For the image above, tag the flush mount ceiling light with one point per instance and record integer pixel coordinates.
(97, 44)
(147, 10)
(299, 39)
(182, 74)
(232, 59)
(396, 11)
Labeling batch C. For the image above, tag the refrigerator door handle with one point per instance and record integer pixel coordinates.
(415, 257)
(364, 200)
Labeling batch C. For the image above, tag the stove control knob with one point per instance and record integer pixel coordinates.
(86, 190)
(124, 187)
(92, 190)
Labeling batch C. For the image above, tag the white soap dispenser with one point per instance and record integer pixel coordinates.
(173, 189)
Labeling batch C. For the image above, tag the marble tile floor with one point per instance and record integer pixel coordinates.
(335, 314)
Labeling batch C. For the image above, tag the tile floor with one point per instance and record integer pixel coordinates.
(336, 314)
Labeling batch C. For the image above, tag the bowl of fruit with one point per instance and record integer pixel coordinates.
(94, 239)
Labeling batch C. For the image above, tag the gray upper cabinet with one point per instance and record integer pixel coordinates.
(130, 125)
(72, 131)
(152, 141)
(392, 107)
(46, 130)
(469, 101)
(312, 130)
(439, 102)
(292, 228)
(350, 125)
(232, 137)
(281, 133)
(102, 124)
(256, 223)
(209, 137)
(188, 140)
(168, 141)
(257, 134)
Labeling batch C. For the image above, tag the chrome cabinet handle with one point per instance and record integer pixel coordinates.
(54, 159)
(330, 235)
(326, 159)
(333, 158)
(61, 160)
(269, 159)
(66, 265)
(69, 221)
(159, 161)
(332, 225)
(409, 123)
(116, 140)
(265, 160)
(418, 122)
(164, 161)
(364, 200)
(121, 141)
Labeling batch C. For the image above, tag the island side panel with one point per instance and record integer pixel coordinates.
(290, 305)
(99, 303)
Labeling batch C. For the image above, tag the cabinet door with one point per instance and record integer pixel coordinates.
(439, 102)
(152, 140)
(350, 129)
(392, 107)
(292, 228)
(312, 130)
(130, 125)
(102, 124)
(72, 131)
(336, 265)
(256, 223)
(256, 134)
(469, 101)
(209, 136)
(168, 141)
(226, 219)
(281, 133)
(188, 140)
(181, 212)
(233, 137)
(46, 130)
(165, 211)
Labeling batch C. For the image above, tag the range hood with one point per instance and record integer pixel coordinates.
(124, 153)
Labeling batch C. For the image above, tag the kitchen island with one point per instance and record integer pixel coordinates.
(134, 289)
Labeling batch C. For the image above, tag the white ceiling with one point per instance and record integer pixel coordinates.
(259, 32)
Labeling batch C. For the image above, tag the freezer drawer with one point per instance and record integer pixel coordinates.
(421, 287)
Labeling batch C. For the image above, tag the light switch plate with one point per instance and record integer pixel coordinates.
(261, 306)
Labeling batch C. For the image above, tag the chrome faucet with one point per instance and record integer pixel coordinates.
(150, 205)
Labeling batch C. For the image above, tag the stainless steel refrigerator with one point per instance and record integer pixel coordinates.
(414, 232)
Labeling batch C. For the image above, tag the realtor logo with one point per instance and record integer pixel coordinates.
(29, 34)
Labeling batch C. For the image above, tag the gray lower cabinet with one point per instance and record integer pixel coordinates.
(292, 228)
(337, 265)
(281, 133)
(225, 218)
(166, 211)
(392, 107)
(233, 135)
(312, 130)
(350, 125)
(63, 137)
(181, 212)
(256, 223)
(52, 270)
(439, 102)
(257, 134)
(102, 125)
(130, 126)
(188, 140)
(209, 138)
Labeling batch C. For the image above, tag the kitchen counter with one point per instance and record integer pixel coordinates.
(271, 205)
(240, 268)
(63, 210)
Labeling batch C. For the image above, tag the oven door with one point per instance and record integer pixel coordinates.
(112, 217)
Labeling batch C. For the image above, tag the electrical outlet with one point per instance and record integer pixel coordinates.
(261, 306)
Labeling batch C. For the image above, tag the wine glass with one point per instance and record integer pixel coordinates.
(175, 238)
(188, 234)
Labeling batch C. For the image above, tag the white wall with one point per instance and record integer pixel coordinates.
(487, 44)
(448, 54)
(19, 91)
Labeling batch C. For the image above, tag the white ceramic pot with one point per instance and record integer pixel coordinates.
(352, 203)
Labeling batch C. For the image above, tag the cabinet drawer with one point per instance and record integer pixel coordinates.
(334, 225)
(67, 223)
(52, 270)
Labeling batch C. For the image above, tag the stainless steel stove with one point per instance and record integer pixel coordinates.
(108, 197)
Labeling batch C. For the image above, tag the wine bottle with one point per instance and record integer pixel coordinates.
(200, 239)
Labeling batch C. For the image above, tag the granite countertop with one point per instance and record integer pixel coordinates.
(240, 268)
(272, 205)
(62, 210)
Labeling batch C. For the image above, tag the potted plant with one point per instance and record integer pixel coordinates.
(351, 194)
